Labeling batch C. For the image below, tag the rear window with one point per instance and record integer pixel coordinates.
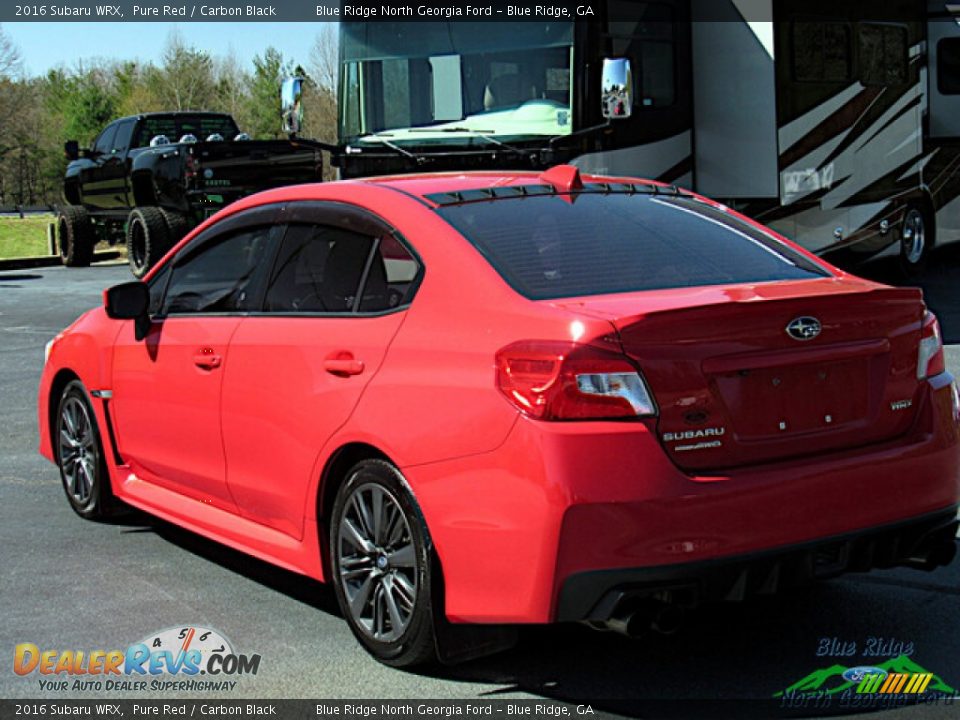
(176, 126)
(555, 246)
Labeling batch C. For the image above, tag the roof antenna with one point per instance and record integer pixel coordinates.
(563, 178)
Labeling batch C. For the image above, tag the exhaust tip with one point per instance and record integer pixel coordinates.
(662, 618)
(933, 555)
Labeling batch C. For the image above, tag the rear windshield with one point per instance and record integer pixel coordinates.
(555, 246)
(176, 126)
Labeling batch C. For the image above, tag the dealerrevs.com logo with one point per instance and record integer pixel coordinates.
(171, 659)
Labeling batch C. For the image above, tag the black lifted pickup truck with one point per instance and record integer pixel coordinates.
(151, 178)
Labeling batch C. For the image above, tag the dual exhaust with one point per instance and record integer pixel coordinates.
(935, 549)
(652, 615)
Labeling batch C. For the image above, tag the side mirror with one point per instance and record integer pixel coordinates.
(72, 149)
(616, 87)
(129, 301)
(291, 106)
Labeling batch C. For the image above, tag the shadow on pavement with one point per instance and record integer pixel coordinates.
(721, 655)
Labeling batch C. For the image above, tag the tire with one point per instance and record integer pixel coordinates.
(916, 239)
(382, 569)
(76, 236)
(177, 226)
(148, 239)
(80, 456)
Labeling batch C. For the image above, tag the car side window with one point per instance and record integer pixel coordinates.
(321, 269)
(224, 275)
(393, 271)
(104, 141)
(158, 284)
(318, 269)
(121, 141)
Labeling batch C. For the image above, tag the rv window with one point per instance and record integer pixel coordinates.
(644, 33)
(948, 66)
(883, 54)
(822, 52)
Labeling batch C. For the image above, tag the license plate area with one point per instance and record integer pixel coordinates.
(777, 402)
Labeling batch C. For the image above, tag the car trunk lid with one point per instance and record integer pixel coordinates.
(735, 388)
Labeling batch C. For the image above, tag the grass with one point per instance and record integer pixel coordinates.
(24, 238)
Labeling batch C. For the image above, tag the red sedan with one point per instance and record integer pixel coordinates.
(488, 399)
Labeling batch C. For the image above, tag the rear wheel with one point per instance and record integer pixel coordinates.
(147, 239)
(380, 559)
(80, 456)
(177, 225)
(916, 239)
(76, 236)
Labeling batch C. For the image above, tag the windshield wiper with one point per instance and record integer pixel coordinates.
(486, 135)
(382, 137)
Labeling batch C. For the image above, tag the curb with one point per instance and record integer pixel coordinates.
(51, 260)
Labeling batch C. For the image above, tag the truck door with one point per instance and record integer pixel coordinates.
(104, 183)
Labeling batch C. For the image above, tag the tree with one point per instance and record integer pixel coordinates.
(261, 111)
(184, 81)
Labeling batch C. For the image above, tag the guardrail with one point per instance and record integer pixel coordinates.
(22, 210)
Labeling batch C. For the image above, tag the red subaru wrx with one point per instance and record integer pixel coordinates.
(487, 399)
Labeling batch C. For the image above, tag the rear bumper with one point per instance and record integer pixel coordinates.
(925, 543)
(518, 529)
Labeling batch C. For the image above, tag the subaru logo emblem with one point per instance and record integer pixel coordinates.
(804, 328)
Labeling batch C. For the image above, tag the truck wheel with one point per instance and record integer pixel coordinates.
(177, 225)
(916, 239)
(147, 239)
(76, 236)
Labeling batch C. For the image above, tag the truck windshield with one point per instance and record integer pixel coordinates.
(437, 82)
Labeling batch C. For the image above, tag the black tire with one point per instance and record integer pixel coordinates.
(148, 239)
(388, 572)
(177, 225)
(80, 456)
(76, 236)
(916, 239)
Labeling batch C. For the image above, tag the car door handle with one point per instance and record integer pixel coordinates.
(207, 359)
(343, 365)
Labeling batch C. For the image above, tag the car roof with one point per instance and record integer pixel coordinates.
(428, 186)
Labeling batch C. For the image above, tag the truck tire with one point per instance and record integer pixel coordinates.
(76, 236)
(147, 239)
(177, 225)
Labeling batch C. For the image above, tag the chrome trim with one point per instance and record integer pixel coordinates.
(102, 394)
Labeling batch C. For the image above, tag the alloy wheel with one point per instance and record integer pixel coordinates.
(377, 562)
(79, 457)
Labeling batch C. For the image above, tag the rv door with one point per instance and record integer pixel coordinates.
(943, 73)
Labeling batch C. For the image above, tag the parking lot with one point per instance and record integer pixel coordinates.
(78, 585)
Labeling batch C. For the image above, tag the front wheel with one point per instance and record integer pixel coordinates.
(916, 240)
(381, 565)
(80, 457)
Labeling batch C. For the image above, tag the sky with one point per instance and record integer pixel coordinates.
(49, 44)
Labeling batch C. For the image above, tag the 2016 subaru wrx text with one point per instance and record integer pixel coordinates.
(488, 399)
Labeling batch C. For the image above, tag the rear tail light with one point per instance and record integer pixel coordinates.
(193, 167)
(930, 361)
(565, 381)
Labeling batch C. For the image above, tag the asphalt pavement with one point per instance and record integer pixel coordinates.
(70, 584)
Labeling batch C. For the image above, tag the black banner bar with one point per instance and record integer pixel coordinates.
(807, 706)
